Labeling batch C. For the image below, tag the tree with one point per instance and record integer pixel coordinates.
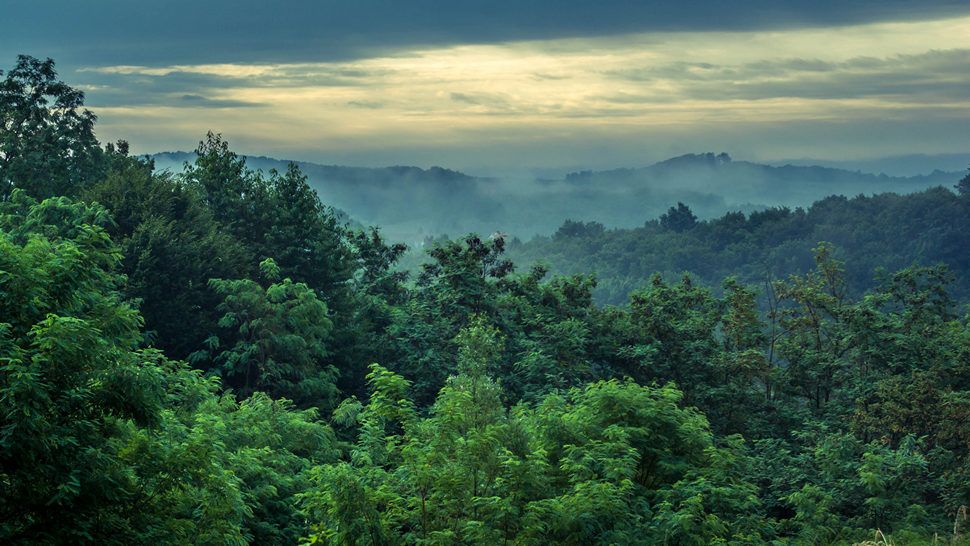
(304, 235)
(232, 192)
(104, 442)
(461, 282)
(172, 246)
(273, 339)
(572, 228)
(72, 383)
(47, 142)
(583, 467)
(678, 219)
(963, 186)
(742, 395)
(671, 337)
(815, 343)
(280, 217)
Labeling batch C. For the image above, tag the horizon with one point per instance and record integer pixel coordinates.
(892, 166)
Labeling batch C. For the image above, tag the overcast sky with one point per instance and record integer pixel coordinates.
(488, 84)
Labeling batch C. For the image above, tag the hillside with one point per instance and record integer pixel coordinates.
(889, 231)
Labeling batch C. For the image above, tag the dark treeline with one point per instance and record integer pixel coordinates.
(871, 233)
(213, 358)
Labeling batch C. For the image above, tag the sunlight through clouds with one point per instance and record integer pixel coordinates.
(523, 92)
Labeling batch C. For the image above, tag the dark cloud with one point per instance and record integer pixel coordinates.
(135, 87)
(275, 77)
(109, 32)
(114, 89)
(465, 98)
(495, 103)
(366, 104)
(651, 98)
(145, 96)
(198, 101)
(540, 76)
(177, 89)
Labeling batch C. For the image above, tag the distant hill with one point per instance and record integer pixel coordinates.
(412, 203)
(743, 183)
(888, 231)
(897, 165)
(409, 203)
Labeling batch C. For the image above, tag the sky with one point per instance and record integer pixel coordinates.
(489, 85)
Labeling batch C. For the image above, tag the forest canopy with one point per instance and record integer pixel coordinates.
(874, 235)
(213, 357)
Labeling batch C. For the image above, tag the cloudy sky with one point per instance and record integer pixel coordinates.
(480, 84)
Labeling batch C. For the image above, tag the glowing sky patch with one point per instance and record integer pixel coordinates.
(565, 101)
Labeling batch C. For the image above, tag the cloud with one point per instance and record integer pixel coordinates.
(876, 89)
(232, 75)
(370, 105)
(129, 85)
(934, 76)
(541, 76)
(157, 32)
(198, 101)
(467, 99)
(481, 99)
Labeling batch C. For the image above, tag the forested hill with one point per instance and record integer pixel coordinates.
(888, 231)
(410, 203)
(748, 183)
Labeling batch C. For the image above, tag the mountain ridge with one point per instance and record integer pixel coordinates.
(413, 203)
(682, 159)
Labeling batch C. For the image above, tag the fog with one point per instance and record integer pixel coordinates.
(412, 204)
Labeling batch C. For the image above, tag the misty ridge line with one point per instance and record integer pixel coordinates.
(914, 165)
(413, 204)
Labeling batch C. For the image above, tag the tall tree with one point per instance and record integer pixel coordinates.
(273, 339)
(47, 142)
(172, 246)
(963, 186)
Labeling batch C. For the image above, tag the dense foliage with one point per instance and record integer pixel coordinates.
(887, 231)
(190, 359)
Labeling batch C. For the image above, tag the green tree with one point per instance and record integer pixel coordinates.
(274, 339)
(963, 186)
(679, 218)
(47, 142)
(232, 192)
(671, 336)
(172, 246)
(815, 341)
(103, 442)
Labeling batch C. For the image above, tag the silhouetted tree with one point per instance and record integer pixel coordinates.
(678, 219)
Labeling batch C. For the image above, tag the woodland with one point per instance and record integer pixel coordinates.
(215, 356)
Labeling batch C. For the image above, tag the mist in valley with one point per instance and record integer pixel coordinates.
(412, 204)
